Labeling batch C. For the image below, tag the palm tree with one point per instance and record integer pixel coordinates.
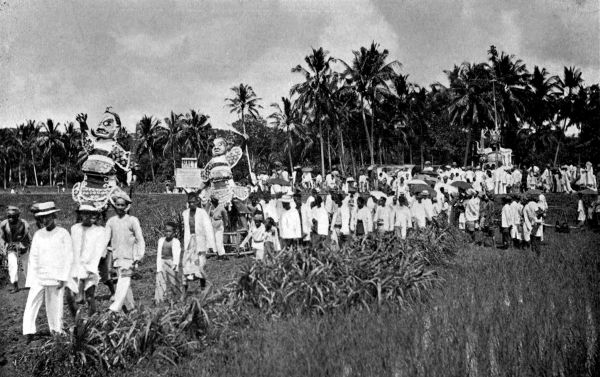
(470, 106)
(543, 91)
(314, 91)
(510, 79)
(196, 131)
(148, 130)
(172, 133)
(370, 74)
(245, 100)
(72, 142)
(572, 102)
(9, 152)
(29, 137)
(51, 142)
(286, 118)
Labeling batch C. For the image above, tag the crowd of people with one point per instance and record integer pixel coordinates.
(58, 265)
(493, 178)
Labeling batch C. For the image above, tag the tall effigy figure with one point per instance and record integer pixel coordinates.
(218, 177)
(104, 157)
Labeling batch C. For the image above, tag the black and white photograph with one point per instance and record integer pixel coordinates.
(300, 188)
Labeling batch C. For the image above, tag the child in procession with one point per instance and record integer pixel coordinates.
(168, 253)
(256, 236)
(271, 237)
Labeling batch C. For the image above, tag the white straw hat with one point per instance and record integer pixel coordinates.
(46, 208)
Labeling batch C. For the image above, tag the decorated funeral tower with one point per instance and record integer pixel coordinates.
(490, 150)
(104, 157)
(217, 176)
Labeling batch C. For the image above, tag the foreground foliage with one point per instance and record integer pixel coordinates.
(499, 313)
(370, 273)
(109, 342)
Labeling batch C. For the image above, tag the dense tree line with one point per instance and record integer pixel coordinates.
(346, 114)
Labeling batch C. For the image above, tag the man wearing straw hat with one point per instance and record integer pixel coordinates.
(89, 244)
(127, 241)
(14, 233)
(50, 260)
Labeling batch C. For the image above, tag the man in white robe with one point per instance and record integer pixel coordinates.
(49, 269)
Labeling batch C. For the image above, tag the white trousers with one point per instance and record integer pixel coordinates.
(219, 241)
(13, 267)
(123, 293)
(514, 233)
(53, 297)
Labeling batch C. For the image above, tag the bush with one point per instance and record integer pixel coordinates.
(366, 273)
(109, 342)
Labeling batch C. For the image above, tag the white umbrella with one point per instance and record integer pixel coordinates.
(378, 194)
(417, 182)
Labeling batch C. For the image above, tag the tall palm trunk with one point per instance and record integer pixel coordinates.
(468, 146)
(401, 153)
(50, 169)
(34, 169)
(342, 152)
(353, 159)
(372, 128)
(329, 149)
(246, 144)
(421, 144)
(151, 163)
(290, 141)
(362, 161)
(560, 137)
(364, 119)
(173, 152)
(321, 143)
(320, 125)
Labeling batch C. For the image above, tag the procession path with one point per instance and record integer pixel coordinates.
(13, 343)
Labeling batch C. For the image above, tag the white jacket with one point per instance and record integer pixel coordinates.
(290, 225)
(50, 257)
(205, 237)
(86, 260)
(175, 247)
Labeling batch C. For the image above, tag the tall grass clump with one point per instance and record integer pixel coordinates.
(371, 273)
(112, 342)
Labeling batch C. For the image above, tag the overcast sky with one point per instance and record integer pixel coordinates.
(59, 58)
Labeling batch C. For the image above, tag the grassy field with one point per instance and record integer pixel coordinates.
(498, 313)
(495, 313)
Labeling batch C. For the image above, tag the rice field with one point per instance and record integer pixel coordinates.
(489, 313)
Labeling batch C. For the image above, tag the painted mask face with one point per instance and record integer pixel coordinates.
(219, 147)
(107, 128)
